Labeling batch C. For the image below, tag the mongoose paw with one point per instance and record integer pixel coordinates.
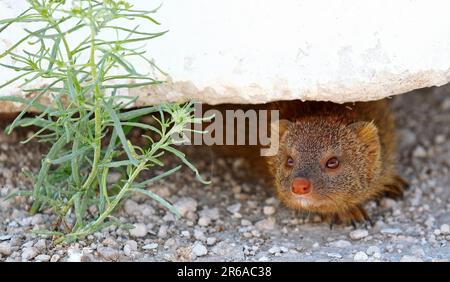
(352, 216)
(396, 188)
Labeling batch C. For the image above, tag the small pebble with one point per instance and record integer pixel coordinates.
(204, 221)
(42, 258)
(274, 250)
(151, 246)
(439, 139)
(211, 241)
(358, 234)
(246, 222)
(5, 248)
(391, 231)
(341, 244)
(131, 244)
(268, 210)
(445, 229)
(372, 250)
(212, 213)
(131, 207)
(109, 253)
(186, 205)
(74, 255)
(266, 224)
(419, 152)
(360, 256)
(199, 235)
(55, 258)
(162, 232)
(334, 255)
(234, 208)
(199, 250)
(40, 245)
(29, 253)
(139, 230)
(5, 237)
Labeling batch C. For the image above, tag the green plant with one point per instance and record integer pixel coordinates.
(85, 122)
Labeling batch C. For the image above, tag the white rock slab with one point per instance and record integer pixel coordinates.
(256, 51)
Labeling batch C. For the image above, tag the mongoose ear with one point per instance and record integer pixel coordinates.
(366, 131)
(279, 127)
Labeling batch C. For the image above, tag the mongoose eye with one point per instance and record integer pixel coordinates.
(289, 162)
(332, 163)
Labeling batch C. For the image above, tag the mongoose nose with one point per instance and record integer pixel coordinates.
(301, 186)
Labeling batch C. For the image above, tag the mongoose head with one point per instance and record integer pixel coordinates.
(326, 165)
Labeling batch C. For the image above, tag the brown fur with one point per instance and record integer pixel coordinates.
(362, 135)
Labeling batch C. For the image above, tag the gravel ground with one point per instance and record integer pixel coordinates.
(238, 220)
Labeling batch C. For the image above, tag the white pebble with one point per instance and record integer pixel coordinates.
(40, 245)
(341, 244)
(360, 256)
(268, 210)
(5, 248)
(266, 224)
(358, 234)
(109, 253)
(42, 258)
(186, 205)
(334, 255)
(204, 221)
(246, 222)
(372, 250)
(127, 250)
(162, 232)
(388, 203)
(150, 246)
(391, 231)
(213, 213)
(139, 230)
(377, 255)
(419, 152)
(234, 208)
(55, 258)
(131, 207)
(74, 255)
(274, 250)
(445, 229)
(211, 241)
(5, 237)
(199, 235)
(131, 244)
(185, 233)
(29, 253)
(439, 139)
(199, 249)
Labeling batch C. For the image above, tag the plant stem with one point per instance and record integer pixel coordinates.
(98, 114)
(113, 204)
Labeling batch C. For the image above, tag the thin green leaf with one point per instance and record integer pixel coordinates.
(120, 133)
(157, 198)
